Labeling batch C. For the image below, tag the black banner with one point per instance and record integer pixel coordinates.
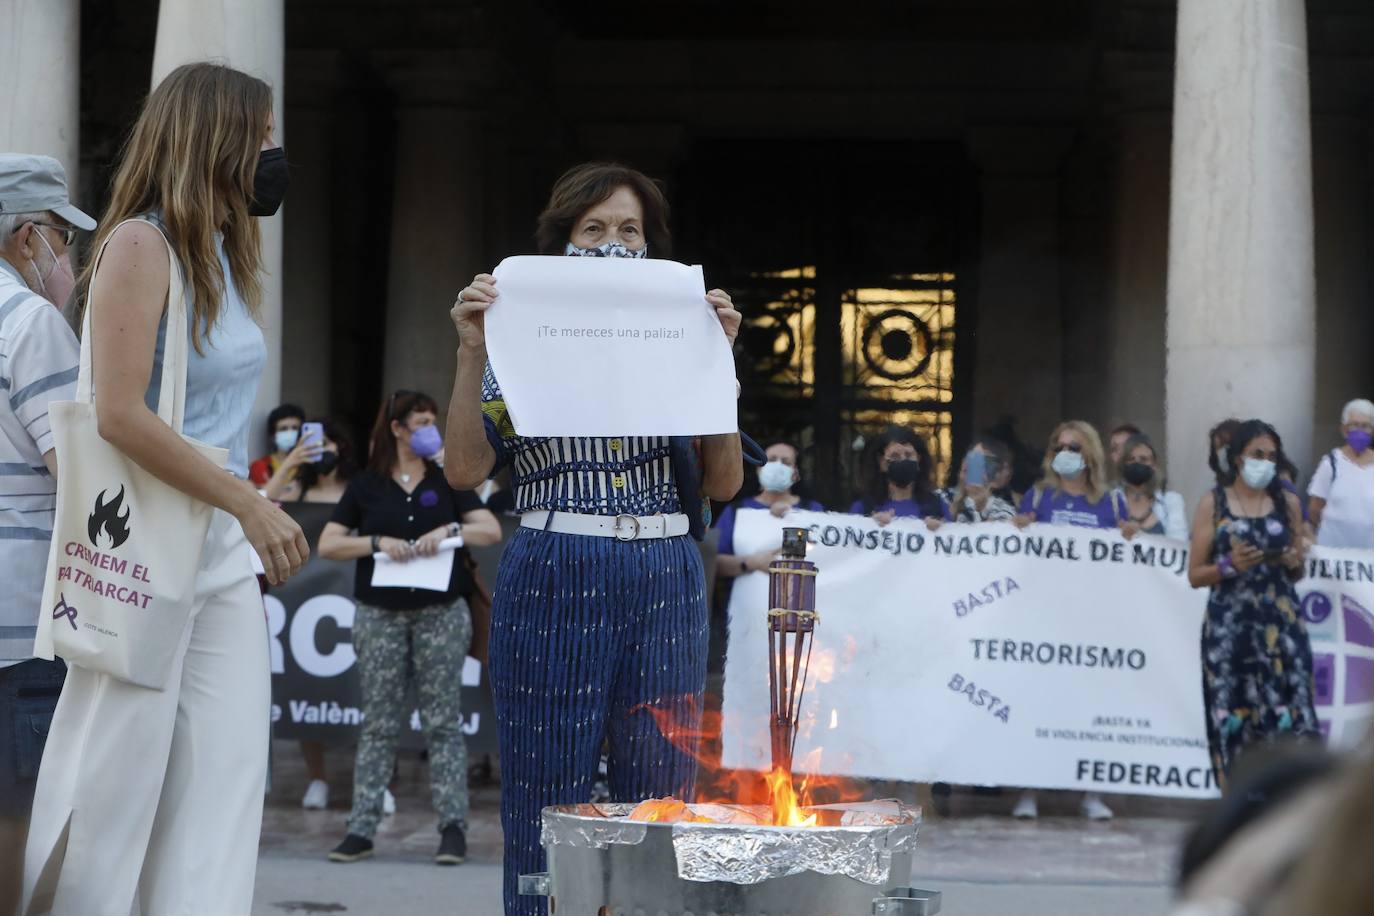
(315, 694)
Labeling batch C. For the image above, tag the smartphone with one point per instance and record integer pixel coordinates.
(312, 433)
(976, 469)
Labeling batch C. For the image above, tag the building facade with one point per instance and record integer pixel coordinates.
(948, 214)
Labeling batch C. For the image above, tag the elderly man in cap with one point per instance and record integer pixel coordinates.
(39, 355)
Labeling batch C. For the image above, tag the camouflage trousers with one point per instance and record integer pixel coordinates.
(429, 645)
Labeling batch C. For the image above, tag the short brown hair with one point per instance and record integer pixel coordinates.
(382, 452)
(583, 187)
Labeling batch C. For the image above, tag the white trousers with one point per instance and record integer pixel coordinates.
(149, 802)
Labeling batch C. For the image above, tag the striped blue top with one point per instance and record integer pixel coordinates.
(221, 383)
(631, 475)
(39, 357)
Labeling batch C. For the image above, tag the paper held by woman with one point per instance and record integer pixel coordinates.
(430, 573)
(609, 347)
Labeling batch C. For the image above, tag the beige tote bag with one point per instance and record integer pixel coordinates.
(126, 547)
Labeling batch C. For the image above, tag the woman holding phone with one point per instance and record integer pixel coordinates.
(285, 485)
(1256, 658)
(973, 499)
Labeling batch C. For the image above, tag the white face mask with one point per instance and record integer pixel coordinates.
(1258, 473)
(1068, 464)
(776, 477)
(286, 439)
(57, 283)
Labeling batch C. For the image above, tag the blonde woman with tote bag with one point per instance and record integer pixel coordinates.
(149, 798)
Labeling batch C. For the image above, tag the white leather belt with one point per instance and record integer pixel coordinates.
(620, 527)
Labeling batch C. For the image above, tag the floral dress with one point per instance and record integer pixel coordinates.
(1256, 658)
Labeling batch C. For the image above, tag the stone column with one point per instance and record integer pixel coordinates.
(40, 68)
(436, 244)
(249, 35)
(1241, 289)
(1140, 260)
(1019, 364)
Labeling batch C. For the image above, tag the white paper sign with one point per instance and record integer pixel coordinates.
(1059, 658)
(430, 573)
(609, 347)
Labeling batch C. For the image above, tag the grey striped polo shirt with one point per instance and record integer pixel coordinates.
(39, 356)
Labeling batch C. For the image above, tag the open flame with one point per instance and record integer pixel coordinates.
(822, 668)
(721, 794)
(778, 802)
(786, 811)
(666, 811)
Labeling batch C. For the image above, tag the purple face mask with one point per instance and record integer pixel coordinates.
(425, 442)
(1358, 440)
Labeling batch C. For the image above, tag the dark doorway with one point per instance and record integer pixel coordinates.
(848, 260)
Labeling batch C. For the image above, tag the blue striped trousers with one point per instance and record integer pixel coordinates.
(586, 633)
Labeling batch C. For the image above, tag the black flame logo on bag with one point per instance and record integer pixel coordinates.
(106, 527)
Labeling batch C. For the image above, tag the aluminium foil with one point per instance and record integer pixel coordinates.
(749, 851)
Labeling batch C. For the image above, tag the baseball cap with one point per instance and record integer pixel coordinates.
(30, 183)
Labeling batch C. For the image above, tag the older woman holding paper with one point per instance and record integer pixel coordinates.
(402, 507)
(599, 626)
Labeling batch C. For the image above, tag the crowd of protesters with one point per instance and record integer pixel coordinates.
(395, 508)
(1248, 535)
(576, 666)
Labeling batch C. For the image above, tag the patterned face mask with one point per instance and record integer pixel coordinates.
(608, 250)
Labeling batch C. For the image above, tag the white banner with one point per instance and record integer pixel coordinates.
(1337, 598)
(1059, 658)
(609, 347)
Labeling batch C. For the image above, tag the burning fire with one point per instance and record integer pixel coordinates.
(783, 801)
(794, 660)
(786, 811)
(667, 811)
(722, 795)
(822, 665)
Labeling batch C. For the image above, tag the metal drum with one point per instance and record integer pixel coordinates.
(856, 862)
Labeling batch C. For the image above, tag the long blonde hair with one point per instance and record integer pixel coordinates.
(192, 153)
(1094, 459)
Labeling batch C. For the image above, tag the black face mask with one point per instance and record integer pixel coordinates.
(903, 473)
(327, 463)
(269, 182)
(1136, 474)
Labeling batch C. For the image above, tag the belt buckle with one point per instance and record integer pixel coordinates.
(620, 529)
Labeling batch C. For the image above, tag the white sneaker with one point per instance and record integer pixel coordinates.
(389, 804)
(1026, 808)
(1094, 808)
(316, 795)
